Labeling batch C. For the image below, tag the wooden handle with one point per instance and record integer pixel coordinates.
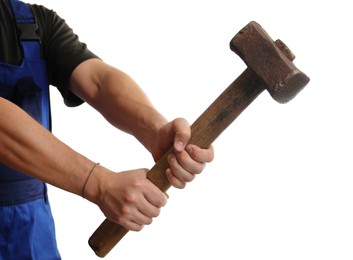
(216, 118)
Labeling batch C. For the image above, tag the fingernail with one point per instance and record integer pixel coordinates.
(179, 145)
(168, 172)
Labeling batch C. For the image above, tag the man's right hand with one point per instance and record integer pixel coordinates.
(127, 198)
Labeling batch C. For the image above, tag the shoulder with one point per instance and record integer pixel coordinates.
(62, 49)
(48, 20)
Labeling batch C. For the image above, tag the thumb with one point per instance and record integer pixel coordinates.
(182, 134)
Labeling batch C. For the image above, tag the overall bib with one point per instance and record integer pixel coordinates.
(26, 224)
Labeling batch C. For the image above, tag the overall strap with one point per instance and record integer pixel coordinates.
(27, 28)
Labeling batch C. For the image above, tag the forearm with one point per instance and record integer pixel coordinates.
(119, 99)
(27, 147)
(128, 108)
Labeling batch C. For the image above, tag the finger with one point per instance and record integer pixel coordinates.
(178, 171)
(182, 134)
(141, 218)
(154, 196)
(134, 226)
(175, 182)
(138, 223)
(149, 211)
(200, 155)
(136, 218)
(189, 164)
(141, 215)
(131, 222)
(131, 225)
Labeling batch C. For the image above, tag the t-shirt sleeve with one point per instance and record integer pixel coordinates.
(62, 51)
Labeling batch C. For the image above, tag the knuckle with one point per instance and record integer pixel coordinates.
(149, 221)
(179, 184)
(136, 227)
(200, 168)
(130, 198)
(183, 156)
(137, 183)
(189, 178)
(125, 212)
(156, 213)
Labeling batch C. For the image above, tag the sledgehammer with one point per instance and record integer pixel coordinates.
(269, 67)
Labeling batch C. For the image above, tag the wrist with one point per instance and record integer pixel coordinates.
(92, 187)
(87, 178)
(148, 131)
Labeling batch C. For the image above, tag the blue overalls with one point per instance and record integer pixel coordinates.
(26, 224)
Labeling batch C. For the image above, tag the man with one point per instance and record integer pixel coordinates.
(31, 156)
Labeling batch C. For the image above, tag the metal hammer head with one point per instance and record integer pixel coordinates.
(279, 75)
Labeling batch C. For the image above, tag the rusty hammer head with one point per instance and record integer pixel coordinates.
(276, 71)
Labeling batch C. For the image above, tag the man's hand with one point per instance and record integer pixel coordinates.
(127, 198)
(188, 159)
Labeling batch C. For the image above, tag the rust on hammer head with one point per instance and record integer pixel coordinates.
(281, 77)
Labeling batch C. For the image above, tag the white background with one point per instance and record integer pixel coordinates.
(280, 186)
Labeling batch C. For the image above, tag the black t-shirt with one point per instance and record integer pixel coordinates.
(61, 48)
